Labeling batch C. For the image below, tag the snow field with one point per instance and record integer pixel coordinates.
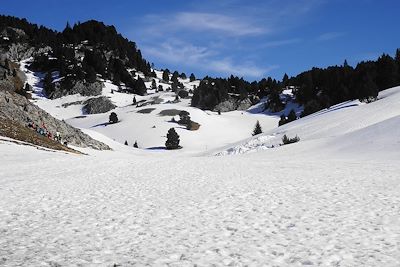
(116, 208)
(333, 199)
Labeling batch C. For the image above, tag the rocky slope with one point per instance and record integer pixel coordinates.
(18, 109)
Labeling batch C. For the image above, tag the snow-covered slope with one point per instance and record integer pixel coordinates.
(331, 199)
(135, 208)
(351, 127)
(144, 123)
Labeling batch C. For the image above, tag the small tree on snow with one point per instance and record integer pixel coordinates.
(126, 143)
(113, 117)
(286, 140)
(172, 139)
(135, 145)
(153, 84)
(27, 87)
(184, 117)
(257, 129)
(292, 116)
(165, 75)
(283, 120)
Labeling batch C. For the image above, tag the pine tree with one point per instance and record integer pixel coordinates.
(174, 77)
(113, 117)
(27, 87)
(134, 101)
(48, 84)
(387, 72)
(370, 90)
(165, 76)
(184, 117)
(257, 129)
(116, 79)
(135, 145)
(397, 59)
(172, 139)
(285, 80)
(274, 103)
(292, 116)
(397, 56)
(174, 86)
(126, 143)
(286, 140)
(192, 77)
(90, 74)
(140, 87)
(282, 121)
(153, 84)
(183, 76)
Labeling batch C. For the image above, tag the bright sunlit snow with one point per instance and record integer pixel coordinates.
(332, 199)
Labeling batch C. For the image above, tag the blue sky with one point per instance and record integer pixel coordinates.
(253, 39)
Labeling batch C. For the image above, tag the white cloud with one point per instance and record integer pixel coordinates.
(246, 69)
(203, 22)
(217, 22)
(186, 54)
(211, 36)
(282, 42)
(176, 51)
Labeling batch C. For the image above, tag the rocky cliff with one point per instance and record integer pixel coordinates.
(20, 110)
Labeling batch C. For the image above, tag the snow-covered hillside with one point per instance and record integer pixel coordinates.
(332, 199)
(347, 128)
(146, 124)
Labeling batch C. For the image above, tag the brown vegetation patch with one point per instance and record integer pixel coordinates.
(193, 126)
(14, 130)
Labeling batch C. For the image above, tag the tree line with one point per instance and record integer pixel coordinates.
(103, 52)
(316, 89)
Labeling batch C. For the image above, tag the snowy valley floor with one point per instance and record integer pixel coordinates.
(134, 210)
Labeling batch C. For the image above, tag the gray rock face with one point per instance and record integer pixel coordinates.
(85, 89)
(232, 104)
(244, 104)
(227, 105)
(14, 32)
(6, 85)
(20, 51)
(20, 110)
(98, 105)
